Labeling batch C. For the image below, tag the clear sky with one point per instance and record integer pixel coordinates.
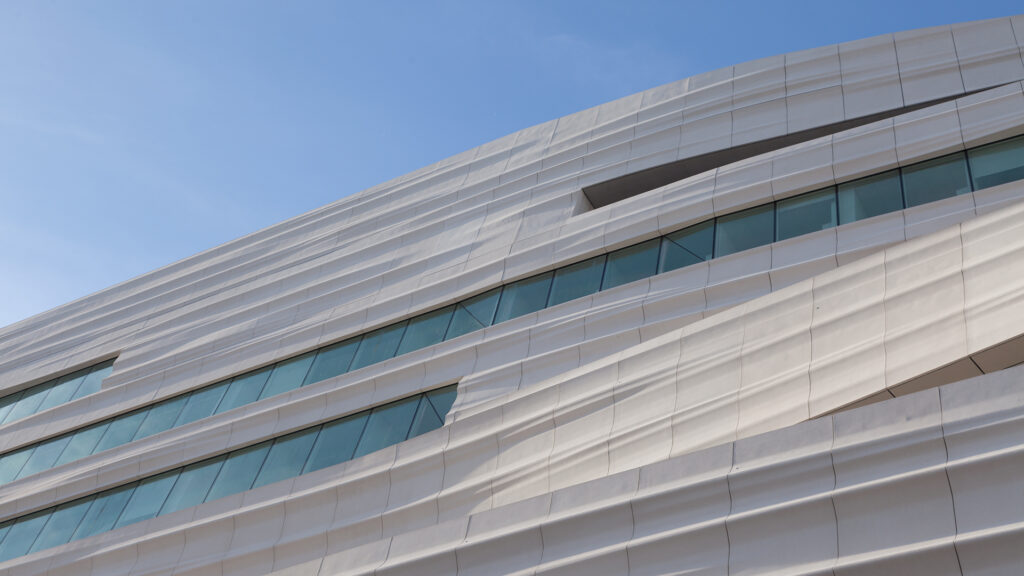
(134, 134)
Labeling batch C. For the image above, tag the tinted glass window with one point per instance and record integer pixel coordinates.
(13, 462)
(286, 457)
(105, 510)
(93, 382)
(806, 213)
(202, 403)
(29, 402)
(442, 399)
(473, 314)
(997, 163)
(332, 360)
(936, 179)
(577, 280)
(871, 196)
(378, 345)
(44, 456)
(388, 425)
(523, 297)
(288, 375)
(193, 483)
(243, 390)
(161, 417)
(64, 390)
(21, 535)
(687, 246)
(336, 442)
(147, 499)
(62, 524)
(83, 443)
(425, 420)
(7, 403)
(239, 471)
(426, 330)
(631, 263)
(744, 230)
(121, 430)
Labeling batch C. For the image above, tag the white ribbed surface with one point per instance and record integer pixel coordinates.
(571, 441)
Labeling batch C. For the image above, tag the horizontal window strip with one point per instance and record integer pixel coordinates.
(237, 471)
(923, 182)
(53, 392)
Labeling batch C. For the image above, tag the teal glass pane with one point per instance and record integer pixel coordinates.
(442, 399)
(288, 375)
(161, 417)
(388, 424)
(121, 430)
(336, 442)
(425, 420)
(5, 527)
(687, 246)
(22, 534)
(239, 471)
(64, 390)
(473, 314)
(577, 280)
(83, 443)
(243, 390)
(29, 402)
(998, 163)
(148, 498)
(378, 346)
(93, 382)
(806, 213)
(871, 196)
(332, 360)
(523, 297)
(935, 179)
(631, 263)
(103, 513)
(7, 403)
(287, 457)
(202, 403)
(62, 524)
(744, 230)
(193, 483)
(426, 330)
(12, 463)
(44, 456)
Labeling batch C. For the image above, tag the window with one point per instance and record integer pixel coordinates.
(687, 246)
(806, 213)
(935, 179)
(237, 471)
(631, 263)
(744, 230)
(871, 196)
(997, 163)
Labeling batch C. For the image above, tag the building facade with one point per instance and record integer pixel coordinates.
(763, 320)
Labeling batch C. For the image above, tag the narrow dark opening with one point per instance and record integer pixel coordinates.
(618, 189)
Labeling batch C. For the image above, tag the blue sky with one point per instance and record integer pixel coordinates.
(134, 134)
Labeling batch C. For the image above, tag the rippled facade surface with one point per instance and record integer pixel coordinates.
(801, 360)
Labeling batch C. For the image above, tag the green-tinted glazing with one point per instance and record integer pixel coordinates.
(523, 297)
(935, 179)
(631, 263)
(426, 330)
(378, 345)
(871, 196)
(806, 213)
(577, 280)
(997, 163)
(744, 230)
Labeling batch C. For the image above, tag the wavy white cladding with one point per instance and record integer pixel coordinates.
(571, 446)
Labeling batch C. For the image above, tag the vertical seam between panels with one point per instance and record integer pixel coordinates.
(949, 484)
